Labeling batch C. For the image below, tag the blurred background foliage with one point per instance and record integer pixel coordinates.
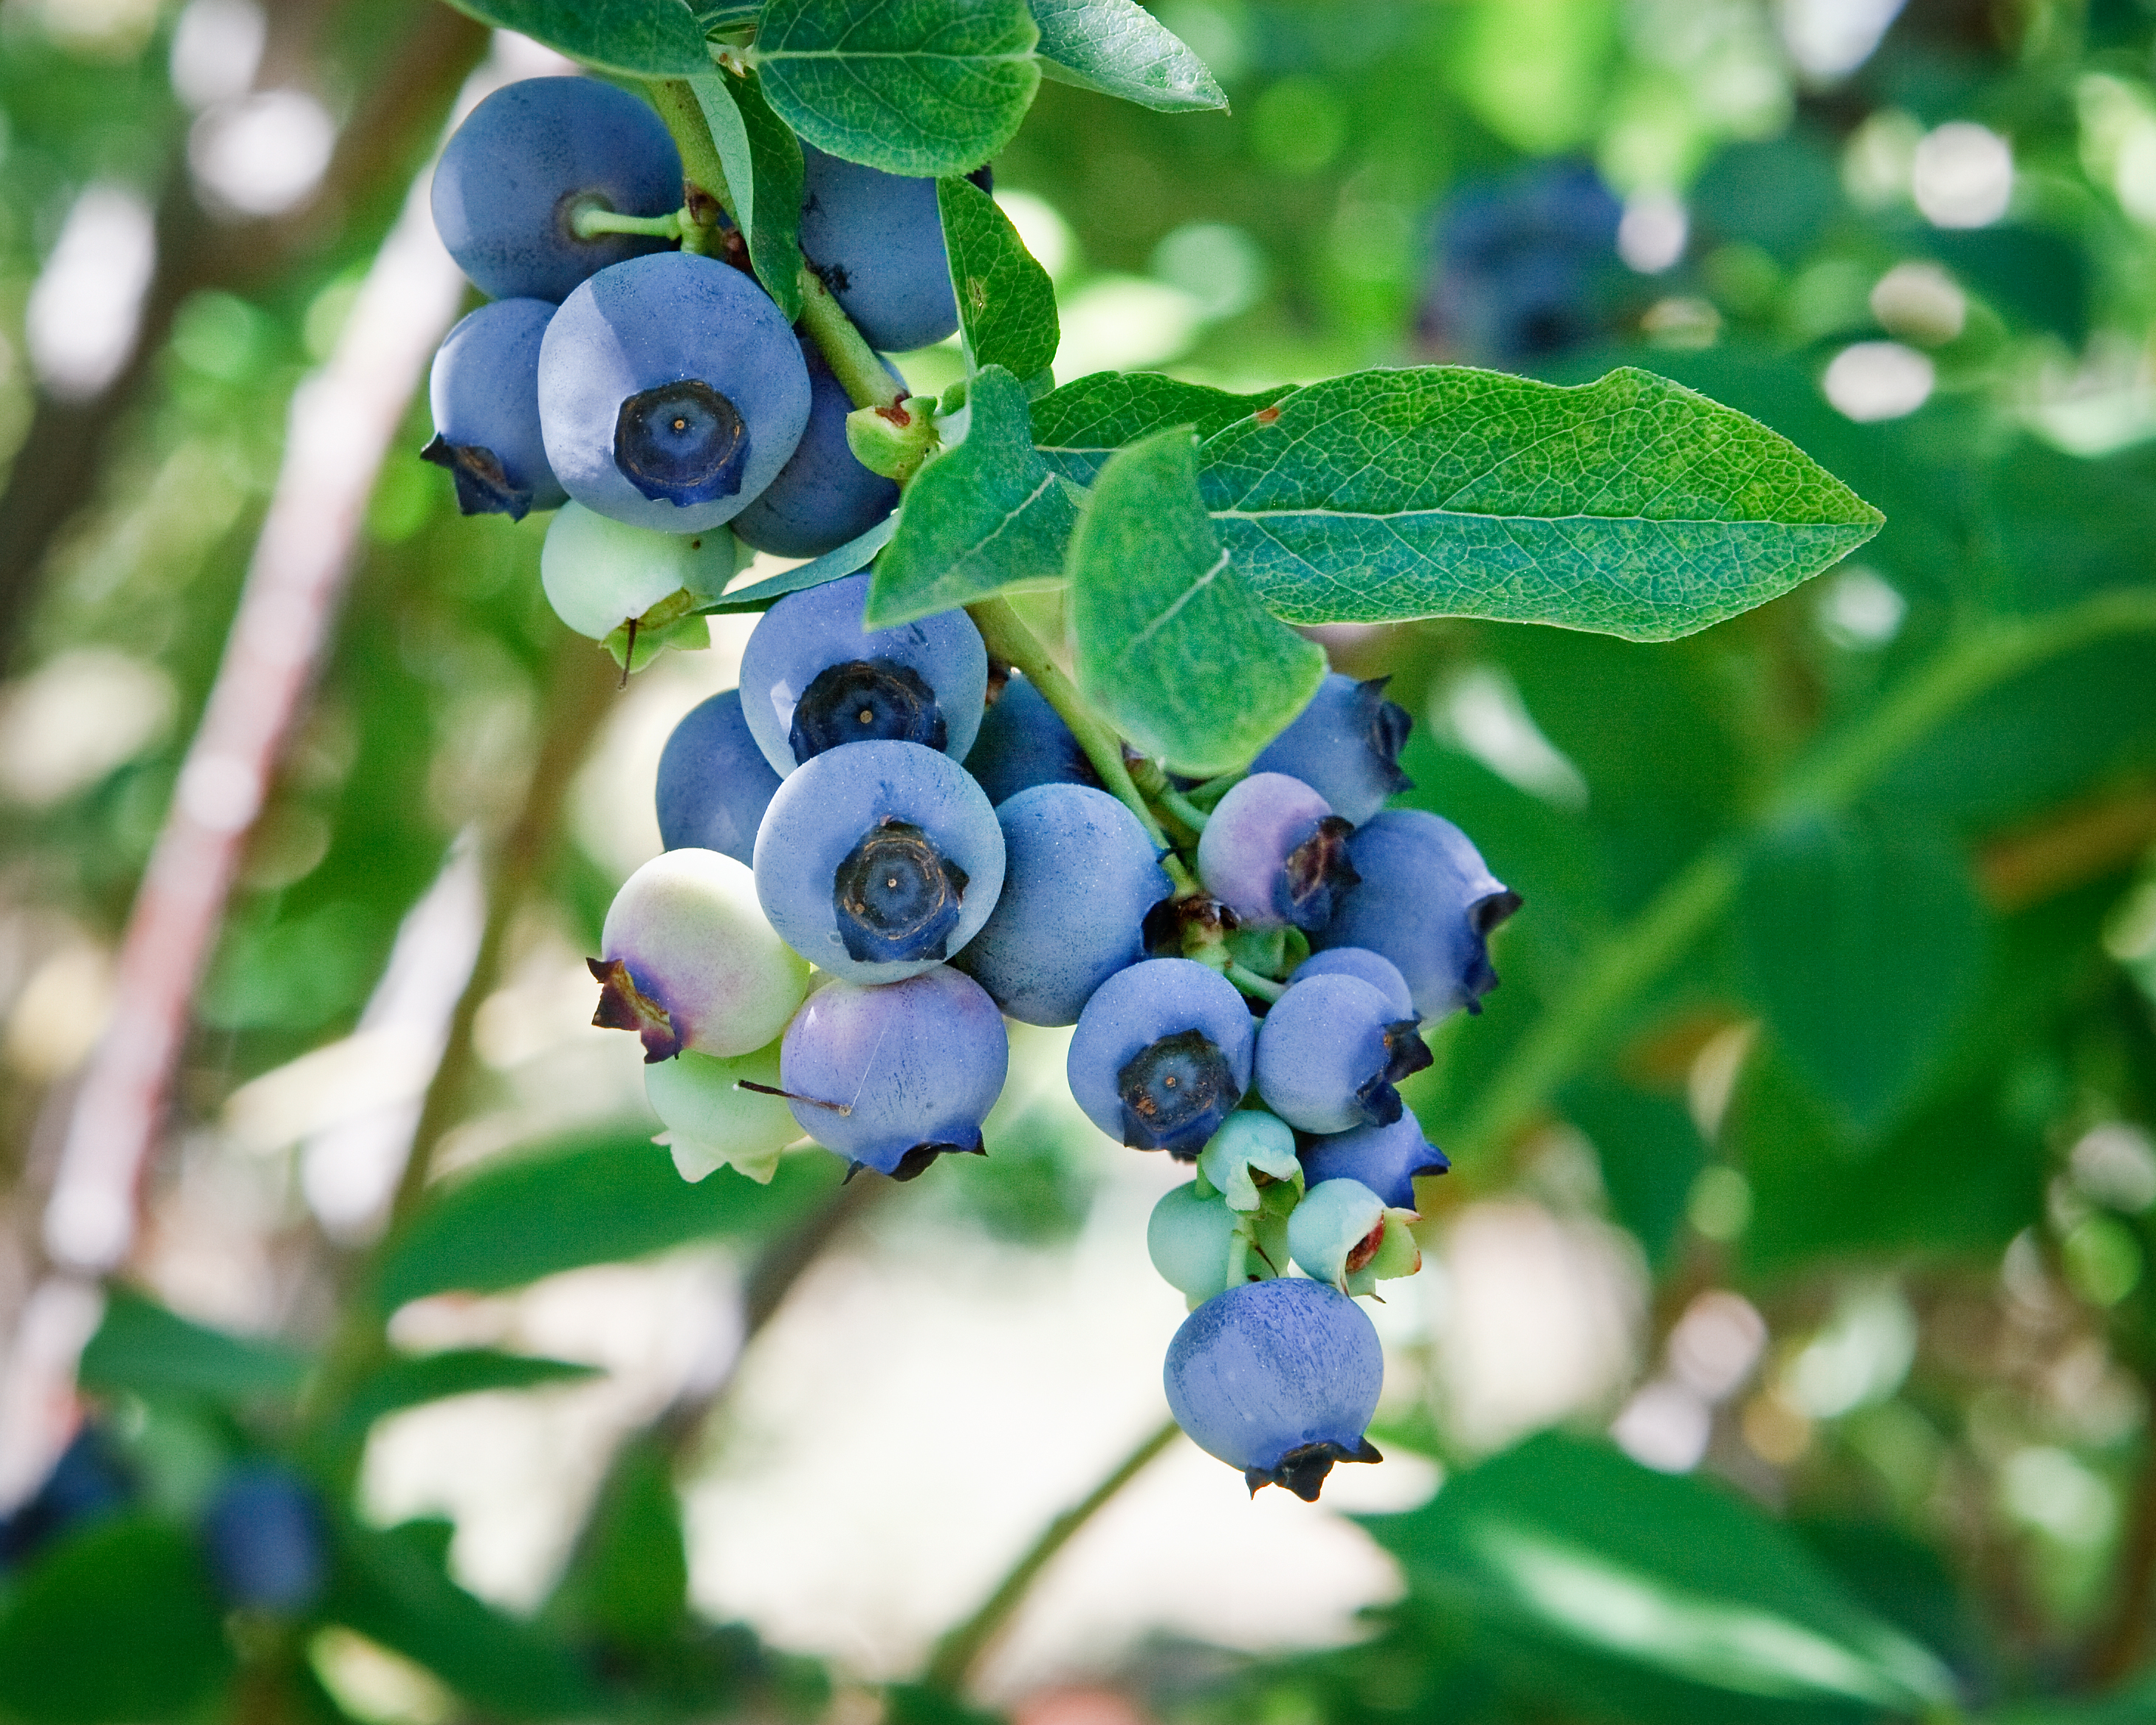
(1804, 1171)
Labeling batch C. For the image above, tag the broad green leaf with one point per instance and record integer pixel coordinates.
(730, 17)
(118, 1624)
(1623, 1591)
(835, 565)
(763, 161)
(1630, 506)
(1118, 48)
(394, 1591)
(1650, 1154)
(140, 1346)
(593, 1202)
(1080, 425)
(1861, 942)
(909, 86)
(458, 1371)
(1006, 302)
(643, 39)
(978, 518)
(1170, 643)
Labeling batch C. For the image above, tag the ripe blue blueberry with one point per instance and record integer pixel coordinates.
(879, 860)
(892, 1077)
(687, 960)
(1345, 746)
(813, 678)
(87, 1482)
(715, 1119)
(483, 390)
(1385, 1158)
(671, 392)
(264, 1535)
(1427, 902)
(1162, 1055)
(823, 497)
(714, 783)
(1274, 853)
(511, 180)
(1528, 267)
(1362, 964)
(1023, 742)
(1279, 1378)
(1329, 1052)
(1079, 876)
(876, 241)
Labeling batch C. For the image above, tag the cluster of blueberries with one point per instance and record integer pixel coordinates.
(880, 845)
(944, 860)
(261, 1530)
(654, 395)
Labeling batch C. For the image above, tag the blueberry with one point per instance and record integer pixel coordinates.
(1079, 876)
(879, 860)
(1162, 1055)
(1279, 1378)
(1528, 267)
(1344, 1235)
(714, 783)
(87, 1482)
(670, 392)
(1360, 963)
(1427, 902)
(891, 1077)
(598, 572)
(483, 390)
(1329, 1052)
(1191, 1238)
(813, 678)
(512, 179)
(877, 240)
(687, 960)
(267, 1544)
(713, 1120)
(1274, 853)
(823, 497)
(1251, 1143)
(1345, 746)
(1385, 1158)
(1023, 742)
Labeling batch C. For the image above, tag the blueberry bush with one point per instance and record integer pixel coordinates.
(1650, 500)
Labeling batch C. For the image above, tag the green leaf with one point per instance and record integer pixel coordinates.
(1170, 644)
(909, 86)
(1650, 1154)
(978, 519)
(1117, 47)
(1862, 943)
(1080, 425)
(458, 1371)
(763, 161)
(628, 1577)
(140, 1346)
(1006, 303)
(120, 1624)
(390, 1588)
(1633, 1594)
(593, 1202)
(643, 39)
(1630, 506)
(835, 565)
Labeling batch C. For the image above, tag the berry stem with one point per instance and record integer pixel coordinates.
(1258, 987)
(1010, 641)
(1207, 796)
(852, 361)
(960, 1653)
(595, 219)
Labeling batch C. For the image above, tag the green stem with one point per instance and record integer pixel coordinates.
(676, 100)
(959, 1653)
(1010, 641)
(595, 219)
(1207, 796)
(846, 350)
(1258, 987)
(1628, 962)
(1181, 807)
